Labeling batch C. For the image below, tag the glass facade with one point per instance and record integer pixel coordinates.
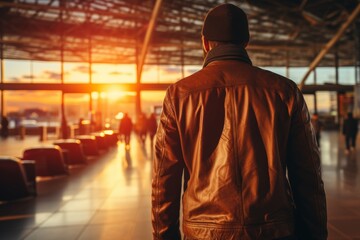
(106, 106)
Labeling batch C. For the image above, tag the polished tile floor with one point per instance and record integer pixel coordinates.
(110, 197)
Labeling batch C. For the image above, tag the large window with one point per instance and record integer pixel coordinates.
(107, 107)
(309, 99)
(347, 75)
(323, 74)
(76, 107)
(114, 73)
(114, 104)
(167, 73)
(16, 71)
(33, 108)
(151, 100)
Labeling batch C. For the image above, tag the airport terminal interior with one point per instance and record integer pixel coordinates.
(72, 70)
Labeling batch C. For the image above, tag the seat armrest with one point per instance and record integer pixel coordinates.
(29, 167)
(30, 172)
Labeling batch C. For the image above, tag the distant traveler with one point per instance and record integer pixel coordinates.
(125, 129)
(64, 128)
(81, 127)
(238, 139)
(4, 127)
(350, 130)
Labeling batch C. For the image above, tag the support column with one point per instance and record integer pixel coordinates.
(138, 81)
(91, 110)
(64, 126)
(144, 49)
(315, 96)
(88, 21)
(357, 50)
(98, 115)
(287, 64)
(330, 44)
(2, 113)
(336, 58)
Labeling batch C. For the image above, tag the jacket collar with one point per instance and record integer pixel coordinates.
(227, 52)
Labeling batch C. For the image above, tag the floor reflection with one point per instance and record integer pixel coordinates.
(110, 197)
(127, 162)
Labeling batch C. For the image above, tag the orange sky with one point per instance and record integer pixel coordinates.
(111, 102)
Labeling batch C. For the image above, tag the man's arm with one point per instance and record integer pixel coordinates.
(304, 171)
(167, 174)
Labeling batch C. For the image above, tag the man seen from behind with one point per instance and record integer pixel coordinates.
(238, 140)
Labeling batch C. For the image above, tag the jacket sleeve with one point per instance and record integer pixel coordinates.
(304, 172)
(167, 177)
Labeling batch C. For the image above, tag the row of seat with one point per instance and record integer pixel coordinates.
(18, 174)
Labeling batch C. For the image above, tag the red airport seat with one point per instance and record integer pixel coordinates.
(89, 145)
(17, 178)
(75, 153)
(101, 140)
(49, 160)
(111, 136)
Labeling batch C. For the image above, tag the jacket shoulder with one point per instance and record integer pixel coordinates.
(273, 80)
(199, 80)
(215, 76)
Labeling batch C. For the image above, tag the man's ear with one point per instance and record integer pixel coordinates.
(205, 43)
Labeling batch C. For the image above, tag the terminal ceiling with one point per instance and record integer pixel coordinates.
(283, 32)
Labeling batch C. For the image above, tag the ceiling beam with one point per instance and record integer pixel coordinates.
(43, 7)
(330, 44)
(82, 87)
(131, 87)
(192, 46)
(149, 32)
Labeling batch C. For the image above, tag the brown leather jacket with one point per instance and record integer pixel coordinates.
(243, 138)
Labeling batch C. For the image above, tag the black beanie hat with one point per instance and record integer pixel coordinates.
(226, 23)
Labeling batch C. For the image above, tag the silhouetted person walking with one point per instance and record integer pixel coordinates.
(81, 126)
(125, 129)
(350, 130)
(64, 128)
(238, 139)
(4, 127)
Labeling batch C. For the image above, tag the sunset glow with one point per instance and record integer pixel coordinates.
(110, 104)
